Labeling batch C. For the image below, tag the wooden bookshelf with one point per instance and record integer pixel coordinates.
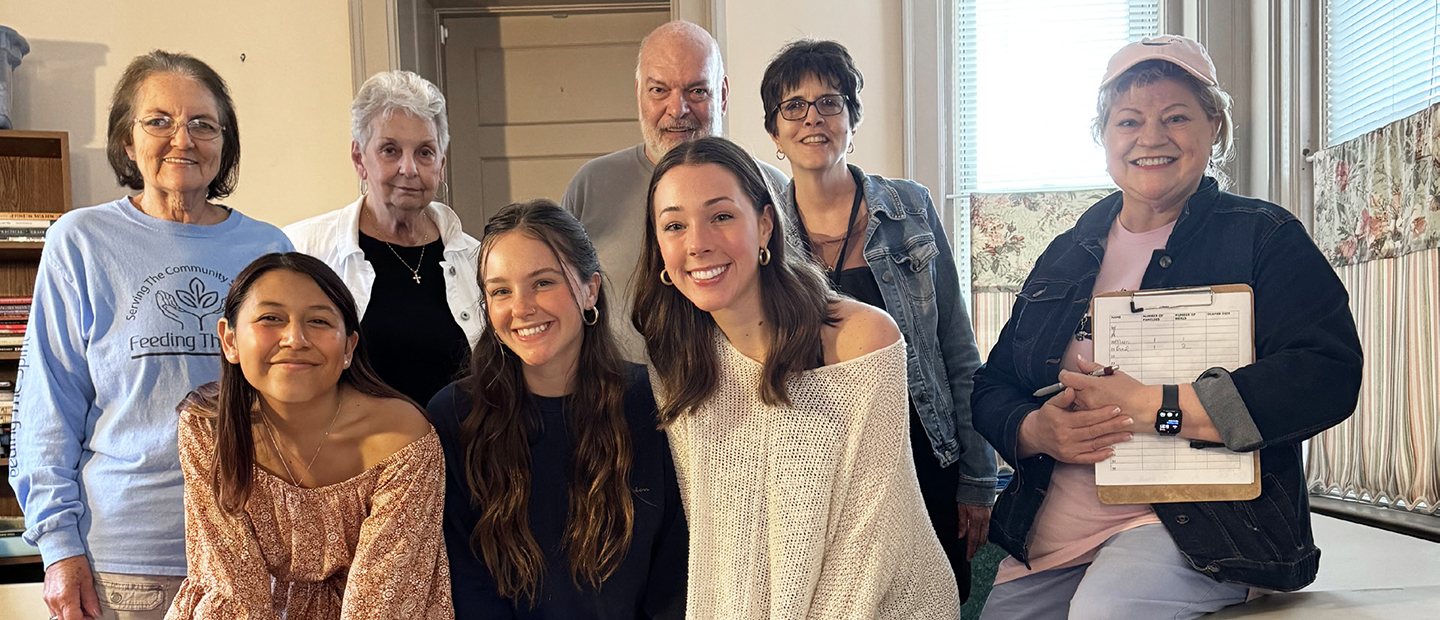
(35, 177)
(34, 171)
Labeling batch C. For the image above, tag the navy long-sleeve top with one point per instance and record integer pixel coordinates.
(650, 581)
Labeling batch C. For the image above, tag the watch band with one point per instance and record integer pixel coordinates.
(1168, 418)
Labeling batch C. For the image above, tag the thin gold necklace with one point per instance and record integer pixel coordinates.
(415, 271)
(270, 432)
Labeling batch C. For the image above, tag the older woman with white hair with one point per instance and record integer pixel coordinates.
(402, 255)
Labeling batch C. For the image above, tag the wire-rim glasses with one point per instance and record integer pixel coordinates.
(162, 126)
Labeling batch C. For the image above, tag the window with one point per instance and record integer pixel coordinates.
(1381, 63)
(1025, 78)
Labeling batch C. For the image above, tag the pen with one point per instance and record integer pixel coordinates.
(1055, 389)
(1201, 445)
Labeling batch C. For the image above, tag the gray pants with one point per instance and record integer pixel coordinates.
(1138, 574)
(135, 597)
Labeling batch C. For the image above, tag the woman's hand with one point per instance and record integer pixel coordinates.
(974, 528)
(70, 589)
(1135, 399)
(1138, 401)
(1080, 437)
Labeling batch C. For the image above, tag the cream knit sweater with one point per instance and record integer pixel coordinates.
(811, 511)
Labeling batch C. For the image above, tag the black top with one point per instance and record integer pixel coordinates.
(650, 581)
(860, 284)
(411, 337)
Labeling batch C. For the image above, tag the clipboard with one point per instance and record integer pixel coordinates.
(1182, 332)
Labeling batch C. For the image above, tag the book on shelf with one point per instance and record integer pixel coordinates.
(46, 216)
(9, 341)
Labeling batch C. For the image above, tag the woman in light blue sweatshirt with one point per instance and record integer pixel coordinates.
(122, 326)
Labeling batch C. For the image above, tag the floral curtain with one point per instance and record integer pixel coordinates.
(1377, 219)
(1007, 233)
(1378, 196)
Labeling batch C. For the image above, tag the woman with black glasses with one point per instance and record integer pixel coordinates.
(880, 241)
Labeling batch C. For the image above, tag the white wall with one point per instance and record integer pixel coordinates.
(292, 92)
(753, 30)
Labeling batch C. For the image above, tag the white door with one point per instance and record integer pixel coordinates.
(532, 97)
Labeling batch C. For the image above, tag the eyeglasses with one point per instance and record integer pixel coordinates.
(163, 127)
(798, 109)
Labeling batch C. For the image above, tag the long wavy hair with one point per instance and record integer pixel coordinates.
(234, 405)
(680, 338)
(495, 433)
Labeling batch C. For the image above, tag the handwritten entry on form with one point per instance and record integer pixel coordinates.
(1173, 339)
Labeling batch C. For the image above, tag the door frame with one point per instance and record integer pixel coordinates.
(376, 28)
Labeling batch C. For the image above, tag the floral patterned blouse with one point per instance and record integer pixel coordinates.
(370, 547)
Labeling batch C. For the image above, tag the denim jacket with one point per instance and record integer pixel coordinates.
(1306, 376)
(910, 257)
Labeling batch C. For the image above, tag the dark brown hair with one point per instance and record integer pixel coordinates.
(232, 401)
(680, 338)
(122, 118)
(495, 433)
(827, 61)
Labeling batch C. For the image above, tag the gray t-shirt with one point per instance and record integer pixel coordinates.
(607, 195)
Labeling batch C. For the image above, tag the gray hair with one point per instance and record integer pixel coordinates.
(1213, 100)
(388, 91)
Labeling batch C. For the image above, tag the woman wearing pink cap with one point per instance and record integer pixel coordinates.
(1165, 125)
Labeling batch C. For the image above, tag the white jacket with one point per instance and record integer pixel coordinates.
(334, 238)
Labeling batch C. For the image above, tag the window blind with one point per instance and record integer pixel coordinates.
(1382, 63)
(1025, 80)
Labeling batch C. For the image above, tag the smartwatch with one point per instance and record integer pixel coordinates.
(1167, 419)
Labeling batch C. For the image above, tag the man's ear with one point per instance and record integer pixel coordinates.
(724, 94)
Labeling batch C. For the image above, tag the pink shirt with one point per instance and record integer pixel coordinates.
(1072, 523)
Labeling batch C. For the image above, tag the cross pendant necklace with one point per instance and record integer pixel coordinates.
(414, 271)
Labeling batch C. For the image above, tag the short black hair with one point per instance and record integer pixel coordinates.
(122, 117)
(827, 61)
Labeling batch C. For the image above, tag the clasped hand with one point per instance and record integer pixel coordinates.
(1081, 424)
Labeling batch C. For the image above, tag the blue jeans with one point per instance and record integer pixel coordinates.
(1138, 573)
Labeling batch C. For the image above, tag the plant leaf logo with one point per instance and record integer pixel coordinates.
(193, 301)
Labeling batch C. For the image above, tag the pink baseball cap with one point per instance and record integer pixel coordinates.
(1183, 52)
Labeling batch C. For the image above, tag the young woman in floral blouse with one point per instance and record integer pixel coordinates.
(312, 490)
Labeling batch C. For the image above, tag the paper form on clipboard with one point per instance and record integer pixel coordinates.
(1172, 336)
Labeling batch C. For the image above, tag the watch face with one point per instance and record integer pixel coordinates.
(1167, 422)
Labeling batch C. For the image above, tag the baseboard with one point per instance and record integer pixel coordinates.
(1415, 524)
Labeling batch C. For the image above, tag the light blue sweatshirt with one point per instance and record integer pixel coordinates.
(122, 326)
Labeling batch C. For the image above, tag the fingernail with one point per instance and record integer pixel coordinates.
(1128, 437)
(1116, 410)
(1128, 421)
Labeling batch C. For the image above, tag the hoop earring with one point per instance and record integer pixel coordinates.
(764, 256)
(851, 149)
(779, 154)
(665, 278)
(591, 319)
(445, 189)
